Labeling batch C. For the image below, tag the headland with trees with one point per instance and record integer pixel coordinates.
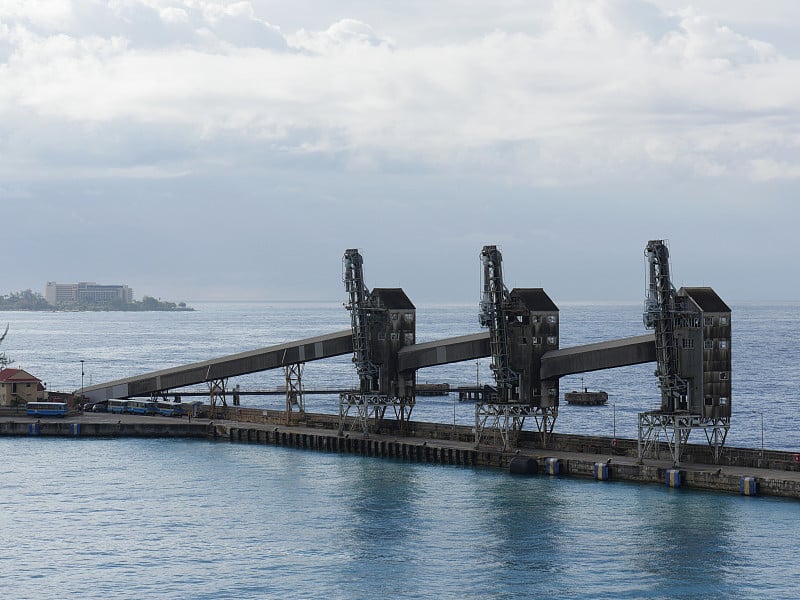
(33, 301)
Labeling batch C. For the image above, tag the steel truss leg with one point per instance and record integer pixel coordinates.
(676, 429)
(716, 433)
(294, 390)
(506, 420)
(216, 391)
(360, 412)
(159, 396)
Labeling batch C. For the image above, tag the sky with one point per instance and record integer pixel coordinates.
(204, 150)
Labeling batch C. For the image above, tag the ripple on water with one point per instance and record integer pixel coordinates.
(218, 520)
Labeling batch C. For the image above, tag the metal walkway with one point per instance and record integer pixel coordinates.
(264, 359)
(602, 355)
(442, 352)
(556, 363)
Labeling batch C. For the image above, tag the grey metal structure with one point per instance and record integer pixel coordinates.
(661, 314)
(410, 358)
(598, 356)
(360, 312)
(704, 338)
(554, 363)
(383, 322)
(443, 352)
(220, 369)
(523, 326)
(692, 343)
(294, 390)
(492, 315)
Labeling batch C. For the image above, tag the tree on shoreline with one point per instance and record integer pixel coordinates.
(24, 300)
(4, 360)
(30, 300)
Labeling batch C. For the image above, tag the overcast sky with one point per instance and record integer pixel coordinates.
(212, 150)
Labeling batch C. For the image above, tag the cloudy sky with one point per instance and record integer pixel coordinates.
(212, 150)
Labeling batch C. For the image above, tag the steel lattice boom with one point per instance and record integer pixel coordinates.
(368, 371)
(492, 315)
(660, 315)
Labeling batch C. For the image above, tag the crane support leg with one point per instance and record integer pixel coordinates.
(669, 432)
(504, 421)
(363, 413)
(216, 394)
(294, 391)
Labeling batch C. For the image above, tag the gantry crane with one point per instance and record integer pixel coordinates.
(523, 325)
(383, 321)
(692, 342)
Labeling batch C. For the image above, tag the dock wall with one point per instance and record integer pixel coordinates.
(528, 440)
(572, 455)
(441, 452)
(50, 428)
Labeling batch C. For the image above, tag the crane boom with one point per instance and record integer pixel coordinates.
(493, 315)
(659, 314)
(359, 307)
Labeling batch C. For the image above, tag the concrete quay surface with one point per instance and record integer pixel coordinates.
(739, 470)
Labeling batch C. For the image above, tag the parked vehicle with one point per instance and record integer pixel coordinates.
(117, 406)
(133, 406)
(141, 407)
(46, 409)
(170, 409)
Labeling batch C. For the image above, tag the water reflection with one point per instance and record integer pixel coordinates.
(380, 504)
(682, 533)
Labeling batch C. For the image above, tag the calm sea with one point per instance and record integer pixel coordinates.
(192, 519)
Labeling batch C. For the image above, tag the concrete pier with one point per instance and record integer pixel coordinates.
(742, 471)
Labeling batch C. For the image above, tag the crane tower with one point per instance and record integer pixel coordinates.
(692, 339)
(661, 314)
(523, 325)
(382, 321)
(360, 311)
(494, 302)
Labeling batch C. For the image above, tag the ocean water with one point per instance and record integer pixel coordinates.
(193, 519)
(95, 518)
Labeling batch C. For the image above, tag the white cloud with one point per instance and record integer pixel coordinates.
(602, 89)
(47, 13)
(174, 14)
(347, 32)
(700, 38)
(765, 169)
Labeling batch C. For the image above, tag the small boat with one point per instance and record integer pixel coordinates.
(586, 398)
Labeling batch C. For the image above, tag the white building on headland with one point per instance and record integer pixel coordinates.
(86, 293)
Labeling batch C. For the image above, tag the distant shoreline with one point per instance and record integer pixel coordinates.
(98, 309)
(31, 301)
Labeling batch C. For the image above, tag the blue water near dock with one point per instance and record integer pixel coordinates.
(188, 519)
(193, 519)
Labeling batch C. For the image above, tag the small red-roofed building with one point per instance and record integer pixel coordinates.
(18, 387)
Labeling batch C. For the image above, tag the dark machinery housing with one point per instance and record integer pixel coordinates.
(532, 331)
(383, 321)
(523, 325)
(693, 359)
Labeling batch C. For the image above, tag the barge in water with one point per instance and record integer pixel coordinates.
(586, 398)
